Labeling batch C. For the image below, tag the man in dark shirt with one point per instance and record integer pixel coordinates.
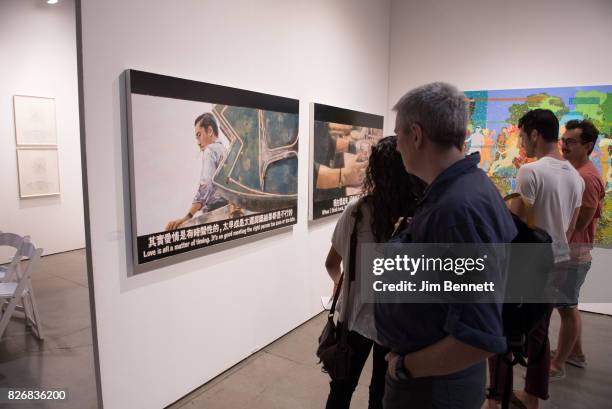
(439, 350)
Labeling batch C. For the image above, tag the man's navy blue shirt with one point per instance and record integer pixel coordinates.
(461, 206)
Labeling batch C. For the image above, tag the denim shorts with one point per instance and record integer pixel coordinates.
(571, 286)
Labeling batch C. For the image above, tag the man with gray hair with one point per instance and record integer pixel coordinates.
(439, 350)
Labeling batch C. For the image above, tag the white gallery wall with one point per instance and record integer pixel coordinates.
(497, 44)
(38, 53)
(164, 333)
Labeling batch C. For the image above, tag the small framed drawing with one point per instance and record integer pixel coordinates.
(38, 172)
(34, 121)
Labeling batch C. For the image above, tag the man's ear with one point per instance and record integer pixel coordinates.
(418, 136)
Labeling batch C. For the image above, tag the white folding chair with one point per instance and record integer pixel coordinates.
(10, 240)
(20, 291)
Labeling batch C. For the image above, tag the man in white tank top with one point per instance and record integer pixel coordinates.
(551, 193)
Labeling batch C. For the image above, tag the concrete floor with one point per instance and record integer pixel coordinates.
(65, 358)
(284, 375)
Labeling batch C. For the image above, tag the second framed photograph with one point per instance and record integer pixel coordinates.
(341, 141)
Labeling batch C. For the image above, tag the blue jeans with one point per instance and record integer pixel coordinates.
(462, 390)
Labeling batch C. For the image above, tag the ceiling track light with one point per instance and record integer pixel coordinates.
(52, 1)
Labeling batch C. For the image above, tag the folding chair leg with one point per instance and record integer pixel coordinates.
(27, 310)
(8, 313)
(35, 313)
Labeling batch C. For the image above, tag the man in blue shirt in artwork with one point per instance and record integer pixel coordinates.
(207, 197)
(439, 350)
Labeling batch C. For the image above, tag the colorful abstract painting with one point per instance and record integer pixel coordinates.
(493, 131)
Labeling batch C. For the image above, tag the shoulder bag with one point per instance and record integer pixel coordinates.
(333, 352)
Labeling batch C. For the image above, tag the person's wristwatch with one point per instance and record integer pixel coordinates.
(401, 372)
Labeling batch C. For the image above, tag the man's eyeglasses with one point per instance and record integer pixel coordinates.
(569, 142)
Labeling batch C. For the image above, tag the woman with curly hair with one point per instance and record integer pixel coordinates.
(389, 195)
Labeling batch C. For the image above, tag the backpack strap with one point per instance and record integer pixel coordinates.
(528, 208)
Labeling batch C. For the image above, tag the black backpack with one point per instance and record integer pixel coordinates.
(520, 318)
(527, 275)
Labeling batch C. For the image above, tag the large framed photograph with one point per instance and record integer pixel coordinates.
(208, 164)
(494, 132)
(38, 172)
(34, 121)
(341, 141)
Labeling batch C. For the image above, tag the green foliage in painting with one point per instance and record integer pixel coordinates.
(537, 101)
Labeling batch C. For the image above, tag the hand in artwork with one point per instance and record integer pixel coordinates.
(360, 159)
(235, 210)
(353, 173)
(175, 224)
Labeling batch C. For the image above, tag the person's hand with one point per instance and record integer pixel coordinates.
(352, 159)
(391, 359)
(175, 224)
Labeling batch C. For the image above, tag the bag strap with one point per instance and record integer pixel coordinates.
(401, 225)
(332, 310)
(351, 271)
(528, 208)
(352, 256)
